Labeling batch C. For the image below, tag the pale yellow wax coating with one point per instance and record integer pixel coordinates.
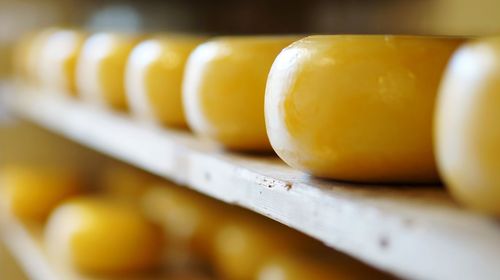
(244, 243)
(154, 74)
(299, 267)
(20, 57)
(357, 107)
(188, 218)
(125, 183)
(32, 192)
(224, 86)
(100, 72)
(27, 56)
(101, 236)
(467, 126)
(57, 65)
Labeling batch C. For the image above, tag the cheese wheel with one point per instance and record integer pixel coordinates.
(57, 65)
(31, 192)
(357, 107)
(124, 182)
(20, 57)
(27, 56)
(467, 126)
(224, 86)
(306, 266)
(101, 68)
(154, 78)
(243, 244)
(189, 219)
(101, 236)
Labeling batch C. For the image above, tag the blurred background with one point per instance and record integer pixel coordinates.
(222, 17)
(444, 17)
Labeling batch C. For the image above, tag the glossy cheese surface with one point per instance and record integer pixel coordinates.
(102, 236)
(27, 56)
(467, 127)
(154, 76)
(243, 244)
(188, 218)
(101, 68)
(125, 183)
(357, 108)
(58, 60)
(20, 56)
(296, 267)
(32, 192)
(224, 86)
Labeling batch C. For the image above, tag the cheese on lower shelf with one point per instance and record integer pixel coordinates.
(297, 267)
(124, 182)
(27, 56)
(57, 63)
(102, 236)
(244, 242)
(30, 193)
(467, 131)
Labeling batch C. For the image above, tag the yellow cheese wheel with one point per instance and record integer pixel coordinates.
(58, 57)
(357, 107)
(20, 56)
(154, 78)
(31, 192)
(243, 243)
(124, 182)
(190, 220)
(27, 56)
(101, 68)
(306, 266)
(467, 127)
(101, 236)
(224, 86)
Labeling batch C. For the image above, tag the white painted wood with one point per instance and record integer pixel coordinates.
(416, 232)
(26, 251)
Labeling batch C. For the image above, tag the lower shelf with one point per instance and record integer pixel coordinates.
(25, 244)
(415, 232)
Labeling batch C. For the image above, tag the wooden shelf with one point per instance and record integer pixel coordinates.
(414, 232)
(27, 249)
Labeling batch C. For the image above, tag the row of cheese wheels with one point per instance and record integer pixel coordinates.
(134, 223)
(362, 108)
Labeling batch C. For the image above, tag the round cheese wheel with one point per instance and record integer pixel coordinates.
(101, 236)
(100, 71)
(32, 192)
(58, 60)
(357, 107)
(467, 127)
(224, 87)
(154, 74)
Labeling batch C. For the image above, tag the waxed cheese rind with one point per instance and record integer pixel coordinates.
(154, 76)
(357, 108)
(467, 134)
(223, 89)
(100, 71)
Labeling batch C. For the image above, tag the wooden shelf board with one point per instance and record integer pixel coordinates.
(415, 232)
(25, 244)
